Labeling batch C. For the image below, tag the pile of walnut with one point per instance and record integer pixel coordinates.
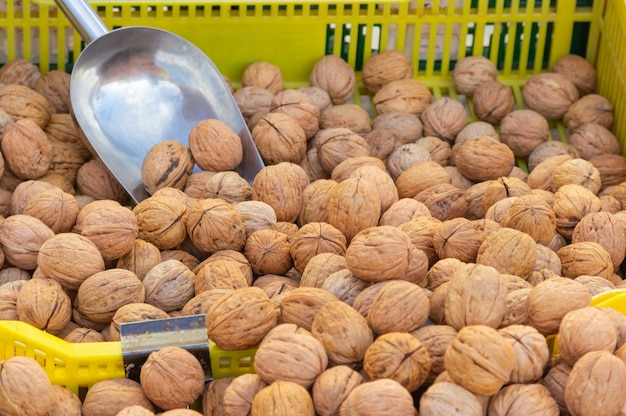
(383, 267)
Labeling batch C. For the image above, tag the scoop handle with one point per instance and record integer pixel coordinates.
(84, 18)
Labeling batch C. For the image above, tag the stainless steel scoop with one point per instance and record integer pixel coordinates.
(134, 87)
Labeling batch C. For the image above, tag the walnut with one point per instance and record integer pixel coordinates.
(547, 259)
(44, 304)
(472, 71)
(555, 381)
(532, 215)
(509, 251)
(612, 169)
(215, 146)
(26, 149)
(579, 71)
(384, 67)
(421, 231)
(169, 285)
(253, 100)
(195, 184)
(405, 156)
(320, 267)
(238, 396)
(161, 220)
(344, 285)
(384, 184)
(571, 203)
(353, 195)
(19, 102)
(279, 138)
(283, 398)
(441, 272)
(459, 238)
(21, 237)
(228, 186)
(419, 177)
(595, 384)
(378, 398)
(55, 208)
(548, 149)
(595, 284)
(315, 238)
(167, 163)
(501, 188)
(70, 259)
(55, 86)
(585, 258)
(549, 94)
(350, 116)
(23, 379)
(591, 140)
(268, 252)
(21, 72)
(531, 352)
(264, 75)
(281, 187)
(240, 319)
(335, 145)
(444, 118)
(320, 97)
(202, 302)
(523, 131)
(475, 129)
(302, 304)
(444, 397)
(62, 128)
(592, 108)
(8, 301)
(111, 396)
(133, 312)
(334, 75)
(79, 335)
(516, 309)
(525, 399)
(222, 274)
(444, 201)
(67, 403)
(405, 127)
(605, 229)
(399, 306)
(483, 158)
(213, 225)
(576, 171)
(492, 101)
(406, 95)
(95, 180)
(311, 163)
(346, 168)
(213, 396)
(480, 359)
(403, 211)
(541, 176)
(315, 201)
(256, 215)
(103, 293)
(332, 387)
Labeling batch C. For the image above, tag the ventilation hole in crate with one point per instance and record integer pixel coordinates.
(245, 362)
(224, 362)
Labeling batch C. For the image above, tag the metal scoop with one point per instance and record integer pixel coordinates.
(134, 87)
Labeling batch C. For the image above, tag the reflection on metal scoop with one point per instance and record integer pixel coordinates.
(134, 87)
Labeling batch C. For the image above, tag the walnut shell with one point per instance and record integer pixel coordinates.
(378, 398)
(213, 396)
(419, 177)
(353, 195)
(44, 304)
(79, 335)
(20, 102)
(406, 156)
(492, 101)
(240, 319)
(482, 158)
(443, 398)
(571, 203)
(605, 229)
(332, 387)
(269, 252)
(55, 86)
(444, 201)
(320, 267)
(279, 138)
(213, 225)
(70, 259)
(301, 305)
(576, 171)
(315, 238)
(523, 131)
(480, 359)
(555, 381)
(133, 312)
(384, 67)
(219, 274)
(337, 144)
(459, 238)
(238, 396)
(405, 210)
(26, 149)
(67, 403)
(475, 129)
(549, 94)
(591, 108)
(578, 70)
(280, 186)
(315, 201)
(591, 140)
(532, 215)
(20, 72)
(263, 74)
(169, 285)
(111, 396)
(253, 100)
(214, 146)
(320, 97)
(343, 332)
(95, 180)
(346, 168)
(283, 398)
(405, 127)
(256, 215)
(350, 116)
(202, 302)
(22, 380)
(444, 118)
(399, 306)
(299, 106)
(509, 251)
(167, 163)
(612, 169)
(549, 149)
(161, 221)
(405, 95)
(332, 74)
(531, 352)
(55, 208)
(523, 399)
(585, 258)
(21, 238)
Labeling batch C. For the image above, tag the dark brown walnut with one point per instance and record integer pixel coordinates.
(213, 396)
(571, 203)
(55, 86)
(320, 97)
(20, 102)
(281, 187)
(55, 208)
(550, 300)
(133, 312)
(523, 131)
(444, 118)
(110, 226)
(315, 238)
(399, 306)
(279, 138)
(172, 378)
(169, 285)
(69, 258)
(253, 100)
(343, 332)
(444, 201)
(161, 221)
(501, 188)
(492, 101)
(555, 381)
(444, 397)
(222, 274)
(334, 75)
(44, 304)
(385, 67)
(509, 251)
(549, 149)
(404, 210)
(103, 293)
(594, 385)
(213, 225)
(378, 398)
(215, 146)
(592, 108)
(480, 359)
(302, 304)
(585, 258)
(320, 267)
(591, 140)
(294, 357)
(612, 169)
(26, 149)
(549, 94)
(576, 171)
(541, 176)
(299, 106)
(483, 158)
(111, 396)
(476, 296)
(21, 72)
(167, 163)
(523, 399)
(406, 156)
(315, 202)
(283, 398)
(406, 95)
(531, 352)
(350, 116)
(263, 74)
(269, 252)
(335, 145)
(605, 229)
(238, 396)
(332, 387)
(578, 70)
(21, 237)
(368, 247)
(472, 71)
(532, 215)
(398, 356)
(23, 379)
(95, 180)
(585, 330)
(353, 205)
(240, 319)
